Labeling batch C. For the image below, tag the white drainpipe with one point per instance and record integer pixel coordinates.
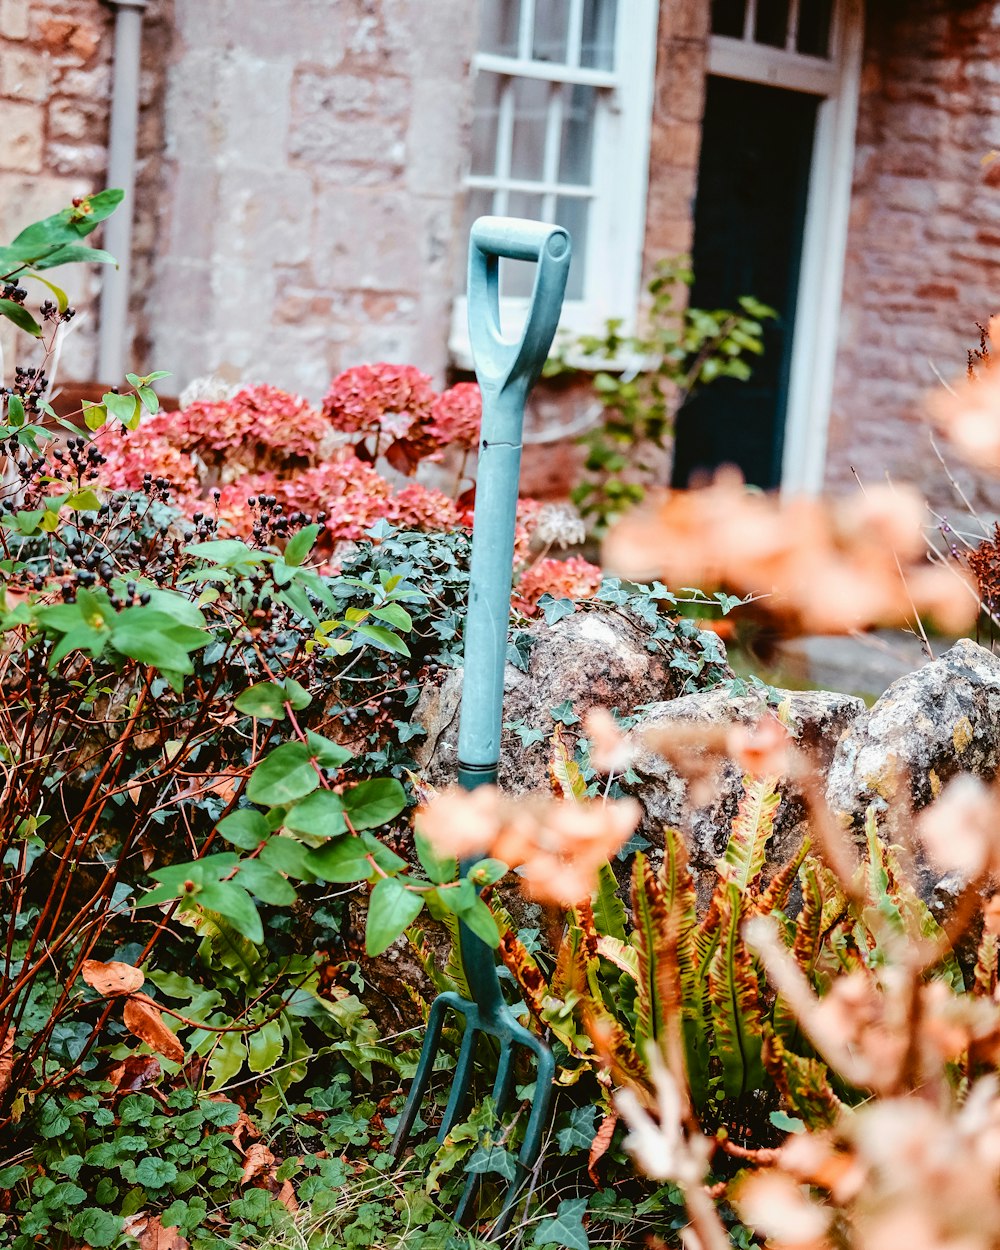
(117, 230)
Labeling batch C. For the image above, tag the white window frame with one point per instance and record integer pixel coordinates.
(824, 245)
(620, 160)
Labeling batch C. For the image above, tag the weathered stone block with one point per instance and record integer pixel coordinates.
(14, 19)
(24, 75)
(21, 138)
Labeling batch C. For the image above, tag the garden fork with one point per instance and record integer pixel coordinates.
(506, 372)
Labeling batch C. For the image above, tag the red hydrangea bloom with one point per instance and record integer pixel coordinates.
(383, 398)
(152, 448)
(457, 415)
(236, 514)
(258, 426)
(527, 512)
(574, 578)
(418, 507)
(351, 493)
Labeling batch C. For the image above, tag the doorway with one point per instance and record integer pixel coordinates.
(750, 214)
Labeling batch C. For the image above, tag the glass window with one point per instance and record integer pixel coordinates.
(728, 17)
(772, 22)
(815, 18)
(597, 36)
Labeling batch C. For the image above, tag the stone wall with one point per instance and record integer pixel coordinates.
(923, 263)
(309, 189)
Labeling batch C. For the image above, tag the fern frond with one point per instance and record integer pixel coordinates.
(609, 910)
(775, 897)
(752, 829)
(803, 1083)
(734, 993)
(565, 777)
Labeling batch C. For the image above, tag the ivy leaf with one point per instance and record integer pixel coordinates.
(283, 776)
(563, 713)
(555, 609)
(580, 1131)
(493, 1159)
(373, 803)
(392, 908)
(564, 1229)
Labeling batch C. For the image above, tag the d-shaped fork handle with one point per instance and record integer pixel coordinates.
(506, 371)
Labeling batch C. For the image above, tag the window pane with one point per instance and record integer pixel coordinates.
(772, 22)
(814, 27)
(597, 46)
(531, 109)
(727, 17)
(517, 277)
(573, 214)
(579, 103)
(486, 114)
(498, 23)
(551, 25)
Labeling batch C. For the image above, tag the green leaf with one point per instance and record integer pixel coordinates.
(283, 776)
(373, 803)
(787, 1123)
(609, 910)
(123, 407)
(97, 1228)
(326, 753)
(154, 1173)
(20, 317)
(269, 886)
(487, 872)
(319, 815)
(227, 1059)
(565, 1229)
(581, 1130)
(74, 253)
(734, 991)
(245, 828)
(94, 415)
(300, 545)
(62, 299)
(15, 410)
(264, 701)
(385, 638)
(266, 1046)
(396, 615)
(391, 909)
(233, 902)
(288, 856)
(148, 398)
(341, 862)
(439, 868)
(298, 696)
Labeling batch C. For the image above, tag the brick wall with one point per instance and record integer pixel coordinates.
(308, 196)
(54, 74)
(923, 262)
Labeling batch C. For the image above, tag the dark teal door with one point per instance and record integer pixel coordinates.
(749, 218)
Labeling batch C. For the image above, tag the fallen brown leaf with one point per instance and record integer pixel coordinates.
(258, 1162)
(135, 1072)
(145, 1022)
(6, 1058)
(151, 1234)
(112, 979)
(599, 1146)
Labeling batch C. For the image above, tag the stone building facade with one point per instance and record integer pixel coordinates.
(300, 204)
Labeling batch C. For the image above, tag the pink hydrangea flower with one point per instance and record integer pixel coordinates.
(574, 578)
(457, 415)
(384, 398)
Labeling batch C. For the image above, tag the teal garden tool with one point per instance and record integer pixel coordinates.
(506, 371)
